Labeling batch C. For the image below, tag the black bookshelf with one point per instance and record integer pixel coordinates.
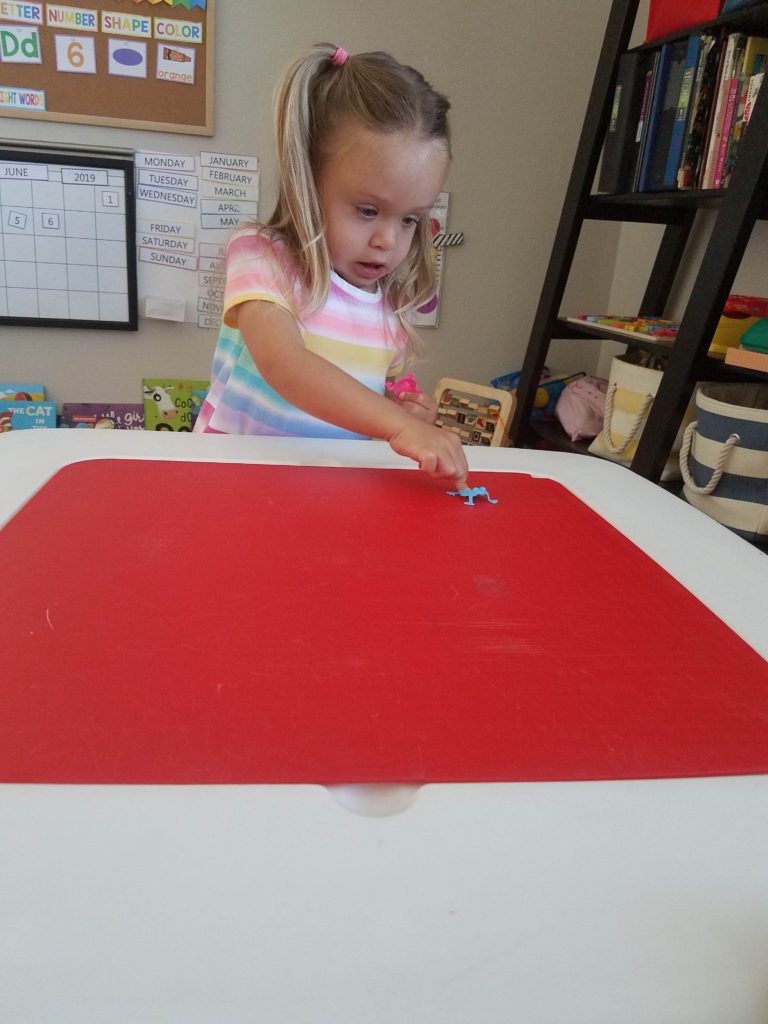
(736, 207)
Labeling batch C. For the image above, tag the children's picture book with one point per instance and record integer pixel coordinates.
(641, 134)
(694, 149)
(680, 127)
(25, 415)
(15, 392)
(729, 72)
(731, 111)
(754, 87)
(658, 94)
(755, 61)
(102, 415)
(667, 115)
(172, 404)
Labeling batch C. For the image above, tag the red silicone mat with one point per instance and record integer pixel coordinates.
(171, 622)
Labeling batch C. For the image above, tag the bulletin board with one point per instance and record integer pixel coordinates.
(108, 61)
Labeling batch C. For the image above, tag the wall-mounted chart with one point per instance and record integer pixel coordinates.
(67, 234)
(108, 62)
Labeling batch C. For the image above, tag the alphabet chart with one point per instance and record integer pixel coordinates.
(67, 255)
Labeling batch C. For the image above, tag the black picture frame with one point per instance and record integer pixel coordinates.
(116, 170)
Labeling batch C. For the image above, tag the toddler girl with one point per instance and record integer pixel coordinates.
(317, 300)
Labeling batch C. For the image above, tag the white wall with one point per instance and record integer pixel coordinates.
(518, 76)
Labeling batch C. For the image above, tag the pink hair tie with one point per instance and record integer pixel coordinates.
(340, 57)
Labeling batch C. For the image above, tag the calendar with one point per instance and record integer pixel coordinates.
(67, 254)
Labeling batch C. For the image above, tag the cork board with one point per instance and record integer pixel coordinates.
(105, 61)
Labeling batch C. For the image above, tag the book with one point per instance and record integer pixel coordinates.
(25, 415)
(15, 392)
(721, 100)
(706, 78)
(641, 134)
(620, 147)
(675, 152)
(670, 91)
(754, 88)
(102, 415)
(658, 93)
(755, 60)
(730, 110)
(172, 404)
(710, 124)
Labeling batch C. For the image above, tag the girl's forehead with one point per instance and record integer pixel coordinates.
(357, 155)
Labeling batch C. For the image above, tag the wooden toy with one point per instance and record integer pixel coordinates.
(479, 414)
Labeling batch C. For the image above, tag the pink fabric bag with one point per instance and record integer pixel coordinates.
(581, 407)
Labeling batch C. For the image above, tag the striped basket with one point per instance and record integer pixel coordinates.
(631, 391)
(724, 457)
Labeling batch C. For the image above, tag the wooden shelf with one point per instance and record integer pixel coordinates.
(738, 207)
(714, 368)
(657, 207)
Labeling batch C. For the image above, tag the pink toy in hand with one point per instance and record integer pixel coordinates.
(406, 383)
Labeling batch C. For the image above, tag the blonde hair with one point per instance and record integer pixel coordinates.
(313, 99)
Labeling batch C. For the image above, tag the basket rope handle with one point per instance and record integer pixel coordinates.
(606, 431)
(719, 469)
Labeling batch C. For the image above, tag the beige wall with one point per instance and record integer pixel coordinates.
(518, 75)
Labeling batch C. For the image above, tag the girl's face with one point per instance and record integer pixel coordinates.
(373, 190)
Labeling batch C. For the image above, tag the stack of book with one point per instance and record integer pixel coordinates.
(680, 112)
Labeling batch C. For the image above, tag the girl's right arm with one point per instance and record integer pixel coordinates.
(321, 389)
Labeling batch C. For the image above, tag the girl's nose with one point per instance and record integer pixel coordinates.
(383, 238)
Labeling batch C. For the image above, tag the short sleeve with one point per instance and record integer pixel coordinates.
(257, 269)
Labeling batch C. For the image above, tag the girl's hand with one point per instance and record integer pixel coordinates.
(438, 452)
(419, 404)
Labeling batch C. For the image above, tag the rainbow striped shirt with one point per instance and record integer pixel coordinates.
(352, 330)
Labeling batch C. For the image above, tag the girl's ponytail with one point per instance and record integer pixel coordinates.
(297, 217)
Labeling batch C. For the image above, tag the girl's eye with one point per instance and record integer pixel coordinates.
(410, 222)
(368, 212)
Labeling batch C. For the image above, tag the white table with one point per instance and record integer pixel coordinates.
(616, 902)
